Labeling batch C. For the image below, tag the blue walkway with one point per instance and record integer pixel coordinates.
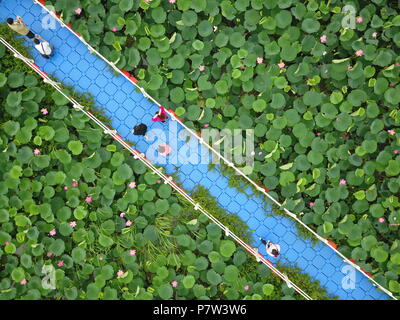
(74, 65)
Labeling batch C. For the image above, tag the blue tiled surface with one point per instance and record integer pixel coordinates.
(73, 64)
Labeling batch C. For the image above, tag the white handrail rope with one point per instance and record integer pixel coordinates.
(209, 146)
(167, 179)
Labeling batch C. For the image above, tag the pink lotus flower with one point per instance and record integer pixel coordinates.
(174, 283)
(381, 220)
(391, 132)
(88, 199)
(260, 60)
(114, 29)
(246, 288)
(202, 68)
(171, 1)
(120, 273)
(281, 65)
(65, 188)
(72, 224)
(159, 181)
(53, 232)
(322, 39)
(132, 185)
(7, 243)
(44, 111)
(337, 119)
(49, 254)
(312, 204)
(359, 53)
(23, 282)
(359, 20)
(318, 134)
(122, 214)
(36, 152)
(132, 252)
(342, 182)
(206, 125)
(60, 263)
(128, 223)
(396, 151)
(242, 67)
(78, 10)
(74, 184)
(397, 64)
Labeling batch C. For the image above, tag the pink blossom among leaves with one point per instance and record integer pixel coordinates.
(359, 53)
(391, 132)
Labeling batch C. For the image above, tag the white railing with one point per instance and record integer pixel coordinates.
(167, 179)
(215, 152)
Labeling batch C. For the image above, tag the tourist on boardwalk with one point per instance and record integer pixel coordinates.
(19, 26)
(160, 115)
(43, 47)
(164, 149)
(140, 130)
(272, 249)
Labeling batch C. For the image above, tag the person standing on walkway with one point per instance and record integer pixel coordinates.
(273, 250)
(160, 115)
(19, 26)
(43, 47)
(140, 130)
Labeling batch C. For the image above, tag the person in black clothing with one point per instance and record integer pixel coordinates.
(140, 130)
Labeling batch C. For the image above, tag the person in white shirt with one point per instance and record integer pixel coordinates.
(43, 47)
(273, 249)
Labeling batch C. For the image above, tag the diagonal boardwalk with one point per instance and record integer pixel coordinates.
(74, 65)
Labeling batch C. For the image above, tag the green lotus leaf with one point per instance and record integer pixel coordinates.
(379, 254)
(78, 254)
(236, 39)
(188, 281)
(75, 147)
(213, 278)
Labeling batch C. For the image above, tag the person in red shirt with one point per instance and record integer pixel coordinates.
(160, 115)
